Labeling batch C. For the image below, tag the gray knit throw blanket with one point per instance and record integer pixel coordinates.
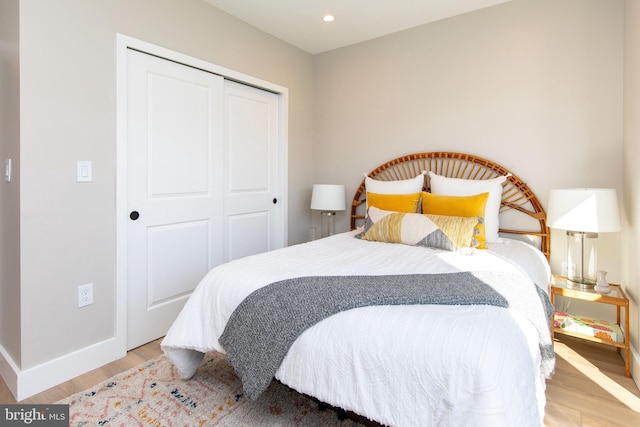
(264, 326)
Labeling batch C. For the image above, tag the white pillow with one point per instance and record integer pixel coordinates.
(443, 185)
(404, 186)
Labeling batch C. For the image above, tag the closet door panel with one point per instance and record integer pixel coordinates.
(253, 207)
(174, 187)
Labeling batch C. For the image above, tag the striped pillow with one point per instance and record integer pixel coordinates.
(435, 231)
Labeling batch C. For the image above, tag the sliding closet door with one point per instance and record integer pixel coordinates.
(174, 187)
(205, 161)
(253, 209)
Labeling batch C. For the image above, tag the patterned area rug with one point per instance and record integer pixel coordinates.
(153, 394)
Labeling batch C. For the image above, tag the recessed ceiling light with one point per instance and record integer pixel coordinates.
(328, 18)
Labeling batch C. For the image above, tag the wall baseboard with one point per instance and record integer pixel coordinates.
(9, 371)
(28, 382)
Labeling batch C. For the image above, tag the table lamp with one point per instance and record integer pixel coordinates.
(583, 213)
(328, 199)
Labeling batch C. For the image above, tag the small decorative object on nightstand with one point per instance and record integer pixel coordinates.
(602, 287)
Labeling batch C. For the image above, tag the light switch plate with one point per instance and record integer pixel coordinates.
(7, 170)
(84, 171)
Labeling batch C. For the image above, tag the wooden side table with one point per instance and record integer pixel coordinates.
(617, 297)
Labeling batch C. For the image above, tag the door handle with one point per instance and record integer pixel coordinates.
(134, 215)
(275, 201)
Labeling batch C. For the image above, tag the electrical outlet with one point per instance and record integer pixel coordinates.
(85, 295)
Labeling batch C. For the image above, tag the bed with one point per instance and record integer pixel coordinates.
(447, 328)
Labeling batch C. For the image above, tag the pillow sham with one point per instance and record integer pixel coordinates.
(394, 202)
(450, 233)
(467, 187)
(469, 206)
(404, 186)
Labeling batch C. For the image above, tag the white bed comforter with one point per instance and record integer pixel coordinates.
(411, 365)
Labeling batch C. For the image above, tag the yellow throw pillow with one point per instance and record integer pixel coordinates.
(394, 202)
(458, 206)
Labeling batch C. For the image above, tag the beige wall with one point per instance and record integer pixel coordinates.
(68, 113)
(631, 242)
(10, 192)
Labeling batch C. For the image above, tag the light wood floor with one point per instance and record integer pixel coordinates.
(588, 388)
(83, 382)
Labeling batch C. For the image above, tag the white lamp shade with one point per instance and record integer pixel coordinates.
(590, 210)
(328, 197)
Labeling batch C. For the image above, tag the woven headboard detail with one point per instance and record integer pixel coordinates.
(517, 197)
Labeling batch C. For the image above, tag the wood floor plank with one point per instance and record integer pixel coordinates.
(557, 415)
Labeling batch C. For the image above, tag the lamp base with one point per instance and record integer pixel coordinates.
(328, 227)
(573, 284)
(581, 259)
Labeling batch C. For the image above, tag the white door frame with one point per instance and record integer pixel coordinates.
(123, 43)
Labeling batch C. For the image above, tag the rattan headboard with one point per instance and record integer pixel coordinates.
(517, 197)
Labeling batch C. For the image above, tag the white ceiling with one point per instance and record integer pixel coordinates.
(299, 22)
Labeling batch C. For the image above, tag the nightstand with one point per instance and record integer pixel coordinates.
(617, 297)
